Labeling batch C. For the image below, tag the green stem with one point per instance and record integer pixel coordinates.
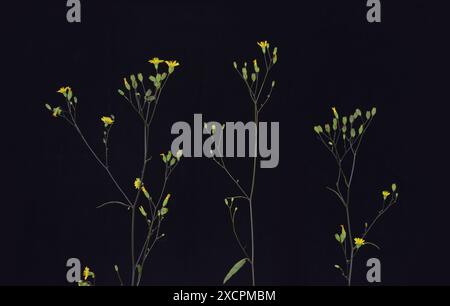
(252, 190)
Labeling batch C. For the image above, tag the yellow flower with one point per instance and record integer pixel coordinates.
(86, 273)
(172, 65)
(64, 90)
(264, 45)
(156, 61)
(107, 120)
(359, 242)
(57, 111)
(138, 183)
(335, 113)
(385, 194)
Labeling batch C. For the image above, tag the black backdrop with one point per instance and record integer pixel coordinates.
(328, 56)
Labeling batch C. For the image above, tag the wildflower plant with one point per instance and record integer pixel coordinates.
(88, 278)
(342, 138)
(259, 89)
(151, 206)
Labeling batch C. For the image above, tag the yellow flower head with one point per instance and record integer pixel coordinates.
(172, 65)
(385, 194)
(264, 45)
(335, 113)
(64, 90)
(107, 120)
(138, 183)
(359, 242)
(86, 273)
(156, 61)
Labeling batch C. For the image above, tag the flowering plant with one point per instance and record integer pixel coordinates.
(259, 90)
(144, 100)
(343, 138)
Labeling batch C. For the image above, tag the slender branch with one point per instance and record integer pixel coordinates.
(114, 202)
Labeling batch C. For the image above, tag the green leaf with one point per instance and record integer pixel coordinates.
(69, 95)
(253, 77)
(353, 133)
(237, 266)
(172, 162)
(361, 129)
(140, 77)
(83, 284)
(327, 128)
(335, 124)
(394, 187)
(120, 91)
(368, 114)
(344, 120)
(152, 78)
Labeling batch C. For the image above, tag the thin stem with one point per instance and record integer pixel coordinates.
(114, 202)
(118, 276)
(102, 164)
(252, 190)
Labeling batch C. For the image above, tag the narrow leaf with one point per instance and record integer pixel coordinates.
(237, 266)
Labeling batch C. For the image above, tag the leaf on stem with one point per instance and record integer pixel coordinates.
(237, 266)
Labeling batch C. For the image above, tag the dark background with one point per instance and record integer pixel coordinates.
(329, 55)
